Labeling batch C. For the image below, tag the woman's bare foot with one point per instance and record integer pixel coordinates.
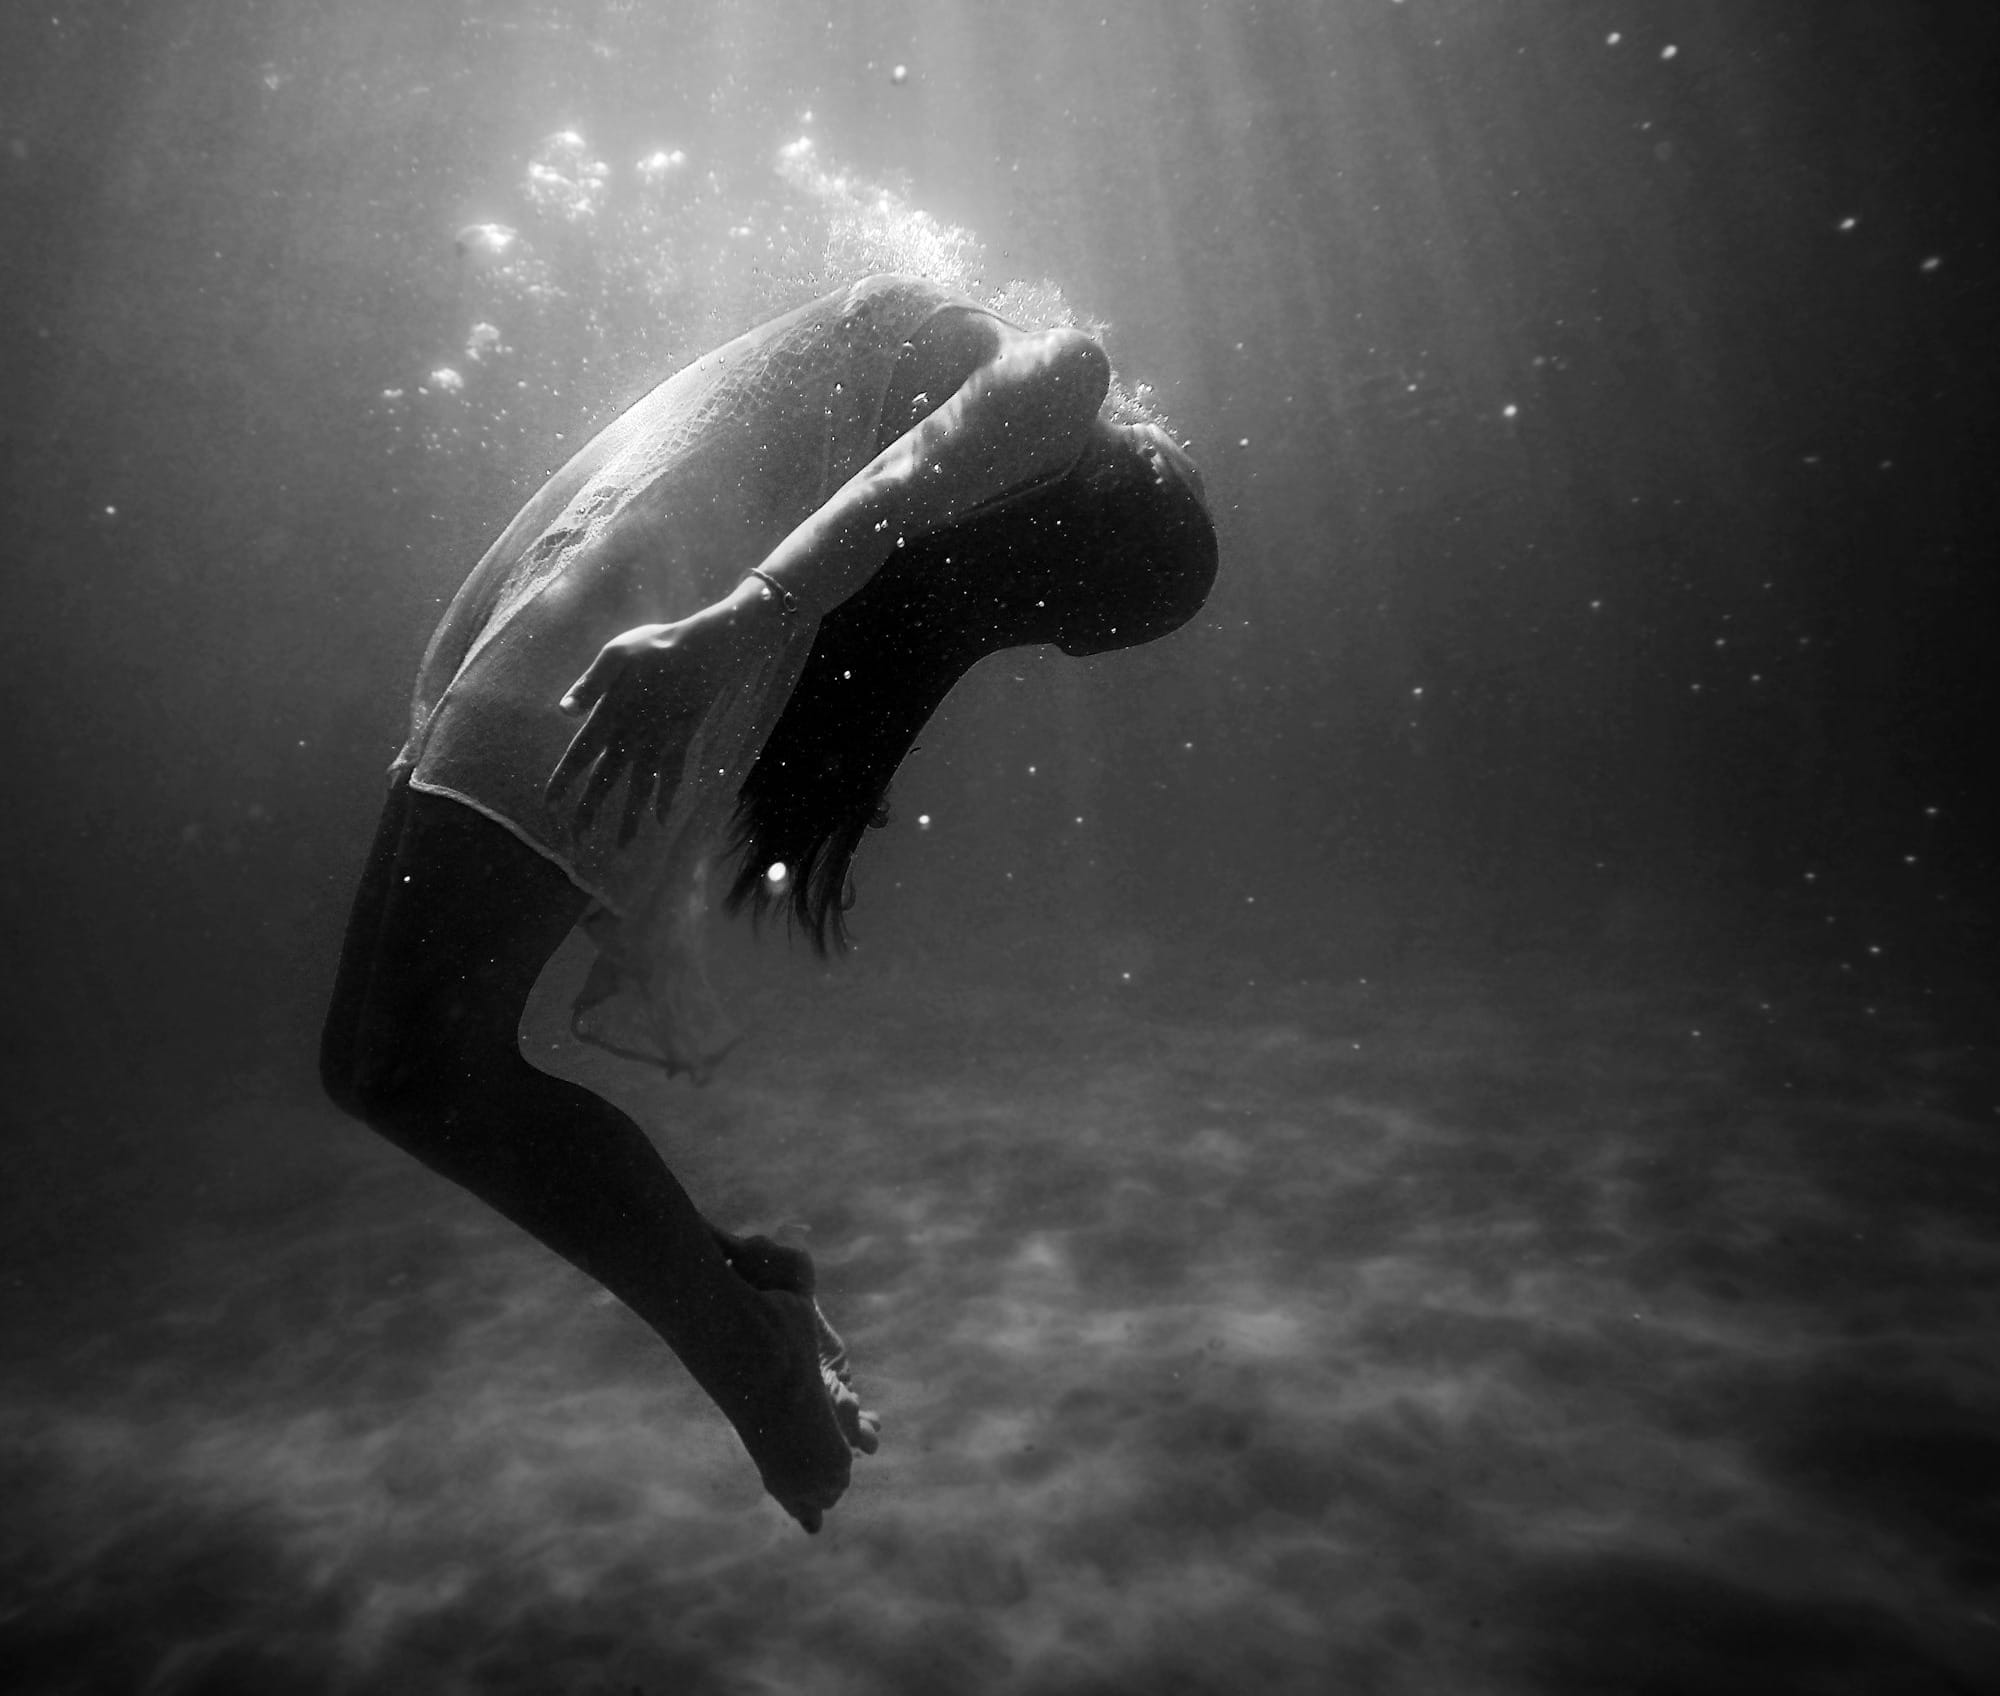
(804, 1432)
(803, 1476)
(765, 1264)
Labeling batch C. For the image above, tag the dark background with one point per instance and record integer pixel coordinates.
(1431, 1132)
(1691, 648)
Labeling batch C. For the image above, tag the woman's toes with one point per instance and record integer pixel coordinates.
(832, 1351)
(858, 1425)
(804, 1459)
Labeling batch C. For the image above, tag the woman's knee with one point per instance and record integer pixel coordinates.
(389, 1078)
(451, 927)
(336, 1066)
(368, 1086)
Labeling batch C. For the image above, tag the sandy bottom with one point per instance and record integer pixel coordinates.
(1502, 1332)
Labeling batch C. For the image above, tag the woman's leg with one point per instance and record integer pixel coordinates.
(451, 927)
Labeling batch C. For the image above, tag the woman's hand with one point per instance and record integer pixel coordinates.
(643, 698)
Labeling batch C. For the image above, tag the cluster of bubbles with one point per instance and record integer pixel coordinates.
(659, 165)
(564, 181)
(872, 228)
(603, 273)
(498, 259)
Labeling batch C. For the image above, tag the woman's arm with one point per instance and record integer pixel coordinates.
(1021, 418)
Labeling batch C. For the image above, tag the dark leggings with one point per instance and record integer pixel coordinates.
(453, 922)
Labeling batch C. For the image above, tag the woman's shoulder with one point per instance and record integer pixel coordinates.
(903, 302)
(881, 286)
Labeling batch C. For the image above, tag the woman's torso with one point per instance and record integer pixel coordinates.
(658, 516)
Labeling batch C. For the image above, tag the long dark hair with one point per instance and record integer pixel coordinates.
(1119, 551)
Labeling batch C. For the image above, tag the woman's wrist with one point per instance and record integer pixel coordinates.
(760, 585)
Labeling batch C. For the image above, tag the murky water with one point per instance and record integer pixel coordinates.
(1431, 1133)
(1475, 1330)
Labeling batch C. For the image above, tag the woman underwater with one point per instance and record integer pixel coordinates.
(718, 629)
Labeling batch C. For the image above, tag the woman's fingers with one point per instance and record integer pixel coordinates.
(577, 759)
(640, 714)
(601, 759)
(604, 776)
(587, 696)
(645, 775)
(589, 689)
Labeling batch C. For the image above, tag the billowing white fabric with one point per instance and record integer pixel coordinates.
(659, 516)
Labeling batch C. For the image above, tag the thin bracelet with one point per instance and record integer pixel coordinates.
(789, 601)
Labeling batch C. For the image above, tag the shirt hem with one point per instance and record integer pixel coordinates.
(521, 836)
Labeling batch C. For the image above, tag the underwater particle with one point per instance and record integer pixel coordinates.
(446, 381)
(1932, 263)
(1510, 410)
(1613, 39)
(1847, 224)
(1670, 51)
(776, 876)
(483, 338)
(899, 74)
(485, 244)
(923, 821)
